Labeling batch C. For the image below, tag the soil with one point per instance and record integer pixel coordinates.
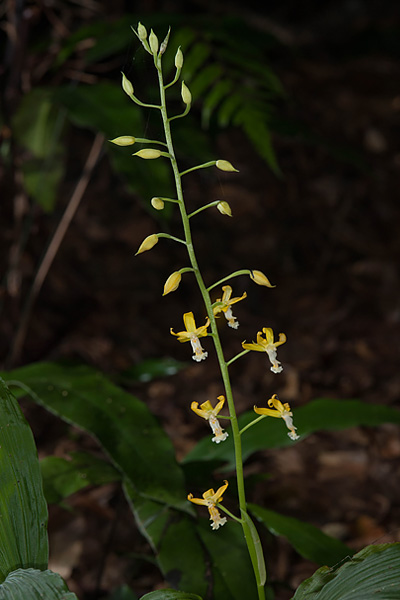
(326, 234)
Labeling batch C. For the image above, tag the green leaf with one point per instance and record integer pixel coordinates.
(230, 563)
(32, 584)
(372, 574)
(23, 510)
(318, 415)
(42, 178)
(63, 477)
(123, 593)
(152, 368)
(174, 539)
(255, 538)
(121, 423)
(309, 541)
(170, 595)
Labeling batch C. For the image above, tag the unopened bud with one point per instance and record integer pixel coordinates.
(164, 43)
(186, 95)
(225, 165)
(148, 153)
(179, 58)
(126, 85)
(224, 208)
(148, 243)
(153, 41)
(260, 279)
(157, 203)
(123, 140)
(172, 283)
(141, 32)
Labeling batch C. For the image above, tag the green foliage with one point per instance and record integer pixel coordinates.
(32, 584)
(170, 595)
(123, 425)
(309, 541)
(372, 574)
(23, 510)
(322, 414)
(38, 126)
(152, 368)
(62, 477)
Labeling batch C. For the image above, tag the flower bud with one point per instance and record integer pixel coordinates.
(157, 203)
(186, 95)
(141, 32)
(148, 243)
(179, 58)
(172, 283)
(224, 208)
(123, 140)
(126, 85)
(153, 41)
(260, 279)
(148, 153)
(225, 165)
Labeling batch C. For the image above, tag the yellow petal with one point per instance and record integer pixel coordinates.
(220, 404)
(253, 346)
(282, 339)
(266, 411)
(199, 411)
(172, 283)
(218, 494)
(197, 500)
(269, 335)
(259, 278)
(148, 243)
(189, 322)
(227, 293)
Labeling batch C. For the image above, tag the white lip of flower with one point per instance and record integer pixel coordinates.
(232, 320)
(199, 353)
(219, 434)
(215, 517)
(288, 418)
(272, 354)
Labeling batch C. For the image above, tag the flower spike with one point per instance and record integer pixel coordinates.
(210, 499)
(279, 410)
(225, 304)
(267, 344)
(192, 335)
(210, 414)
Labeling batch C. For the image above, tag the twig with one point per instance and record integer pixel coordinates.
(53, 247)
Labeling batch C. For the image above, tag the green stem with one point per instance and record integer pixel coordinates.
(217, 342)
(252, 423)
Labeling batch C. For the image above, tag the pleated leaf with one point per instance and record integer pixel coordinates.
(122, 424)
(23, 510)
(32, 584)
(372, 574)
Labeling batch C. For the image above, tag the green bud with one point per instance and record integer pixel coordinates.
(225, 165)
(224, 208)
(153, 41)
(179, 58)
(126, 85)
(164, 44)
(186, 95)
(157, 203)
(141, 32)
(148, 153)
(123, 140)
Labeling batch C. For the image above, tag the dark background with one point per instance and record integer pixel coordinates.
(325, 232)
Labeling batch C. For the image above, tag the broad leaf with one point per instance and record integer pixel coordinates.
(372, 574)
(63, 477)
(309, 541)
(32, 584)
(170, 595)
(23, 510)
(322, 414)
(121, 423)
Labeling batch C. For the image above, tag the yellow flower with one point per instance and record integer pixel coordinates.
(225, 306)
(259, 278)
(172, 283)
(210, 414)
(210, 499)
(267, 344)
(192, 335)
(148, 243)
(281, 411)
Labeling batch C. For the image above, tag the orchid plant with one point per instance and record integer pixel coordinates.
(223, 305)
